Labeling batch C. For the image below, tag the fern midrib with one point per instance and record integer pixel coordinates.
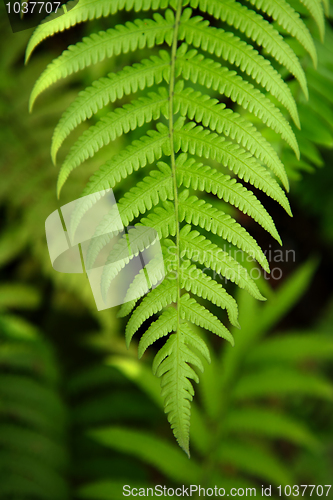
(175, 190)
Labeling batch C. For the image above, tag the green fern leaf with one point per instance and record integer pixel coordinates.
(162, 219)
(151, 449)
(137, 155)
(140, 238)
(162, 203)
(157, 186)
(263, 422)
(280, 380)
(254, 460)
(166, 323)
(140, 287)
(172, 364)
(326, 7)
(146, 194)
(199, 315)
(160, 297)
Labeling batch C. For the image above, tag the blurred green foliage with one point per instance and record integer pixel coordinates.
(79, 416)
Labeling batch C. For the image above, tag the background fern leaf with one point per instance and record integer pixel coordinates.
(316, 10)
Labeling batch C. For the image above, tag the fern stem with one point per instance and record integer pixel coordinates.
(171, 134)
(174, 47)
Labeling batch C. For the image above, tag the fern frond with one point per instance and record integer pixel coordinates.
(254, 26)
(326, 4)
(166, 323)
(148, 193)
(97, 47)
(280, 380)
(162, 220)
(139, 239)
(173, 363)
(255, 461)
(162, 203)
(197, 32)
(139, 287)
(206, 72)
(289, 19)
(192, 339)
(263, 422)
